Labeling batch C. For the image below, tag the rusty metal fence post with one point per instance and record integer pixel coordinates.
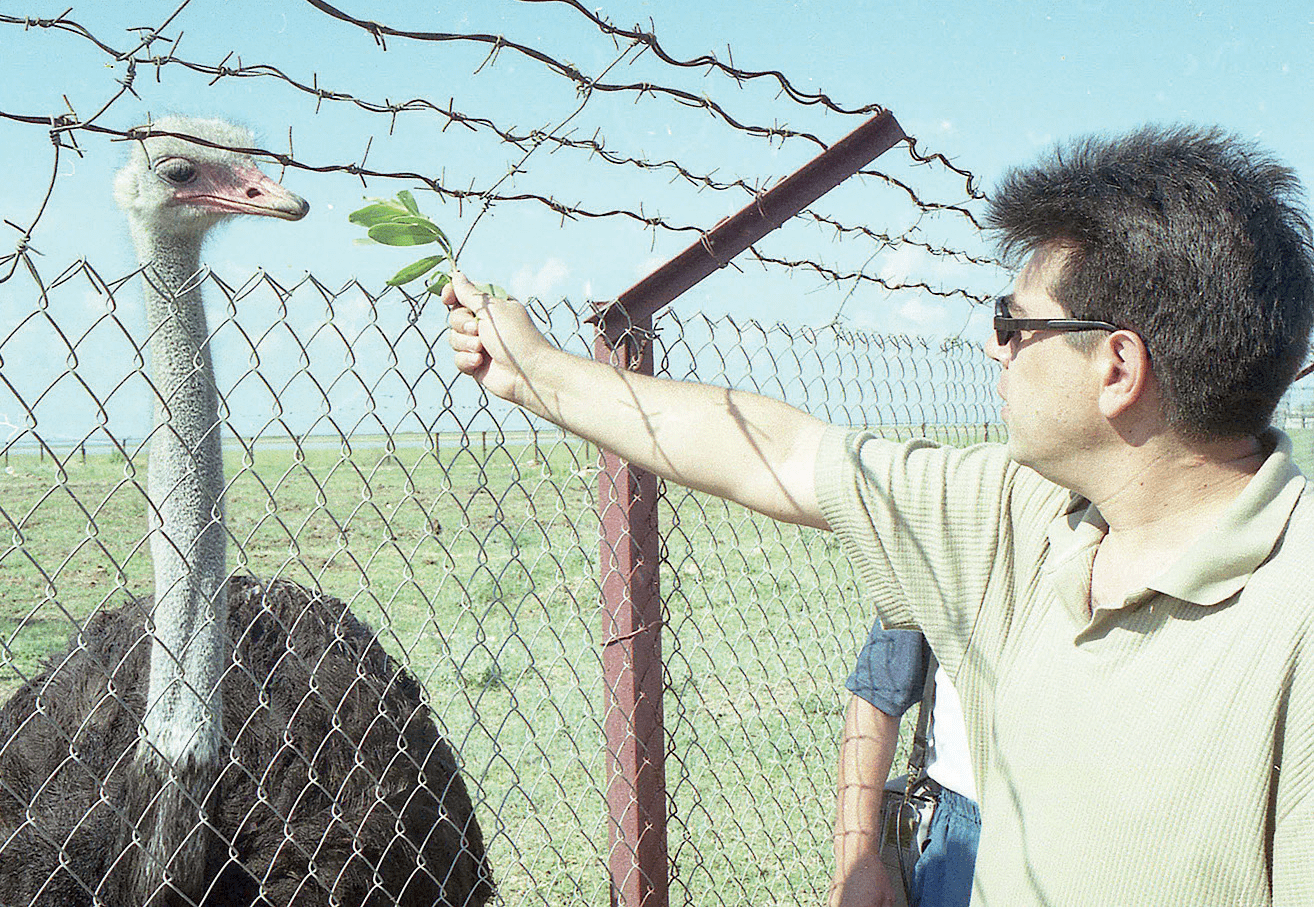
(630, 542)
(632, 657)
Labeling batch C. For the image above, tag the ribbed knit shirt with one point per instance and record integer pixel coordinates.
(1156, 751)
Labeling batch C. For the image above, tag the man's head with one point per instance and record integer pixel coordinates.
(1194, 240)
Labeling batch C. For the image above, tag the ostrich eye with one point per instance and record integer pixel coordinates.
(178, 171)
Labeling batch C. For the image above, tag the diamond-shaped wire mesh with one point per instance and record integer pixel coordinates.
(413, 665)
(414, 682)
(453, 548)
(762, 617)
(425, 620)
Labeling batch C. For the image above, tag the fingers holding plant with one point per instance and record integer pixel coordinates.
(468, 306)
(491, 335)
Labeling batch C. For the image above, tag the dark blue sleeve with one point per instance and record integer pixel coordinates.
(891, 670)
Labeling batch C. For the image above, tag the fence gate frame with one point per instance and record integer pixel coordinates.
(629, 536)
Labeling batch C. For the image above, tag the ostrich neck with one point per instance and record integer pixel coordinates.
(185, 487)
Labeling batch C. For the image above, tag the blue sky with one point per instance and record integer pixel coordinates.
(987, 84)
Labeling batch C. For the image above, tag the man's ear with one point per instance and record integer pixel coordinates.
(1125, 374)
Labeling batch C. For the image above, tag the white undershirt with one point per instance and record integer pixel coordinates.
(951, 764)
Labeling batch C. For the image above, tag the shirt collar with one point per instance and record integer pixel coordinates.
(1221, 561)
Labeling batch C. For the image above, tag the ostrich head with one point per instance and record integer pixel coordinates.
(176, 189)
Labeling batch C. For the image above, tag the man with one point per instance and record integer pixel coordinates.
(888, 678)
(1121, 594)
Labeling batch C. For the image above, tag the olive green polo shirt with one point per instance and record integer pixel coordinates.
(1156, 751)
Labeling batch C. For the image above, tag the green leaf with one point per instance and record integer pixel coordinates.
(399, 223)
(493, 291)
(406, 232)
(377, 213)
(424, 223)
(415, 269)
(442, 239)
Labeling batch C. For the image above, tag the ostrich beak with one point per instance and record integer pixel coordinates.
(243, 190)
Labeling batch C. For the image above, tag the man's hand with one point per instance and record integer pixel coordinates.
(494, 340)
(864, 883)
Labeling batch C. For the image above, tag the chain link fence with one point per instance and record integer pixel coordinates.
(414, 704)
(472, 554)
(414, 700)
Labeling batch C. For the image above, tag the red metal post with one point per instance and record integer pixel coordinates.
(632, 657)
(630, 544)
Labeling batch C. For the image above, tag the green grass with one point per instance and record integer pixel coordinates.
(479, 568)
(1302, 447)
(478, 565)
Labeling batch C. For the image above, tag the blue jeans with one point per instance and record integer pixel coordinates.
(943, 874)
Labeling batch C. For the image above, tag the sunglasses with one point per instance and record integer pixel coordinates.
(1006, 327)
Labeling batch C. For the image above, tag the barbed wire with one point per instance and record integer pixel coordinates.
(488, 197)
(709, 61)
(740, 75)
(467, 533)
(837, 277)
(498, 43)
(65, 125)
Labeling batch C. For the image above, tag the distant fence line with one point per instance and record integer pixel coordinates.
(480, 440)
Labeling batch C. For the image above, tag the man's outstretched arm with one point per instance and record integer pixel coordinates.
(739, 446)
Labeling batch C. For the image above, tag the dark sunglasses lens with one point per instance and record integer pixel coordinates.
(1002, 335)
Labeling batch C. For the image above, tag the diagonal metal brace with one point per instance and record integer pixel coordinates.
(754, 221)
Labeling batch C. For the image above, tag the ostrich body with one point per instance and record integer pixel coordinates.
(231, 741)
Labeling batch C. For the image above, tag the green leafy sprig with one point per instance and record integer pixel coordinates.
(399, 222)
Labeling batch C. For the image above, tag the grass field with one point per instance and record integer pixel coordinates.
(478, 568)
(477, 565)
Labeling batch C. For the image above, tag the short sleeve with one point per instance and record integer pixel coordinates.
(890, 672)
(932, 531)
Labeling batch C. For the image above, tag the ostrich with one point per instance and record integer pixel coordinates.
(173, 193)
(224, 741)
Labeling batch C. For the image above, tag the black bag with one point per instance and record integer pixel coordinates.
(910, 800)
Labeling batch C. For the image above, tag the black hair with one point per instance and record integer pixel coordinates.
(1194, 239)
